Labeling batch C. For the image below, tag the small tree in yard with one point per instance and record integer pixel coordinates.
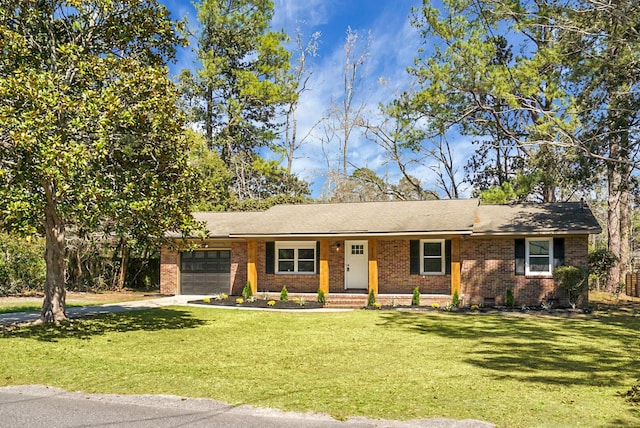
(600, 261)
(372, 298)
(572, 280)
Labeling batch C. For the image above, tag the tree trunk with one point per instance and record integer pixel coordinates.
(53, 307)
(124, 262)
(613, 226)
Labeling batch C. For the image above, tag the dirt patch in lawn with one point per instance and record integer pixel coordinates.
(239, 301)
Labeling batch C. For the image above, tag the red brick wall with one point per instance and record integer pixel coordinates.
(393, 272)
(488, 270)
(169, 263)
(239, 257)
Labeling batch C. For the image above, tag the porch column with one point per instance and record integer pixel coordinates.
(324, 266)
(252, 265)
(455, 266)
(373, 265)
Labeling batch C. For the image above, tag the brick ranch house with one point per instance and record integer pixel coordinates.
(440, 246)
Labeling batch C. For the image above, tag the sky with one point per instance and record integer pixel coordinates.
(394, 45)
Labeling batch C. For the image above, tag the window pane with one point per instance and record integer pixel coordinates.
(432, 249)
(304, 266)
(306, 253)
(198, 254)
(285, 266)
(225, 254)
(433, 265)
(539, 264)
(285, 253)
(539, 248)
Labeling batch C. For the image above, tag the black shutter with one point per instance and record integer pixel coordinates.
(317, 257)
(558, 252)
(520, 256)
(270, 257)
(414, 257)
(447, 256)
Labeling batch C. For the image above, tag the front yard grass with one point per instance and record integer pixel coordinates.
(508, 369)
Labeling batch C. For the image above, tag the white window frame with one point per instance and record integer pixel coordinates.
(295, 246)
(527, 258)
(442, 256)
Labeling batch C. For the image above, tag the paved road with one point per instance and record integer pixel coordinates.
(44, 407)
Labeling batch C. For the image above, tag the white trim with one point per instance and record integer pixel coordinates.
(295, 246)
(442, 256)
(527, 271)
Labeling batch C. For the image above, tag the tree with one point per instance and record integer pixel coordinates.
(240, 87)
(572, 88)
(89, 133)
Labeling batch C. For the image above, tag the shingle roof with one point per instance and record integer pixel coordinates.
(560, 217)
(365, 218)
(456, 217)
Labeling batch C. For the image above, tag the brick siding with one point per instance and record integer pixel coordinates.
(487, 271)
(169, 263)
(393, 272)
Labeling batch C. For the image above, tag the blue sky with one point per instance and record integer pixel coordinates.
(394, 45)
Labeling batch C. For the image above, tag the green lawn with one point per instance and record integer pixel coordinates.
(507, 369)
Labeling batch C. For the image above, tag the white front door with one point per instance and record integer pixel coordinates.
(356, 269)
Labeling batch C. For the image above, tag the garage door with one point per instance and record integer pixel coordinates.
(205, 272)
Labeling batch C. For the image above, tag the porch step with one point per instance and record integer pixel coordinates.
(355, 301)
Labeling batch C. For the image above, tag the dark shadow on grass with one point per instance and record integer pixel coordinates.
(555, 351)
(95, 325)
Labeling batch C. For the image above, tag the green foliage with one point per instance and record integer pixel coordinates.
(415, 298)
(91, 140)
(455, 299)
(372, 298)
(510, 299)
(22, 267)
(321, 296)
(600, 260)
(284, 294)
(247, 292)
(572, 280)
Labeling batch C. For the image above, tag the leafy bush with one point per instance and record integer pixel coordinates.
(372, 298)
(572, 280)
(22, 265)
(321, 296)
(600, 260)
(415, 299)
(455, 299)
(284, 294)
(247, 292)
(510, 300)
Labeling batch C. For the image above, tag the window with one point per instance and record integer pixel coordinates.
(295, 257)
(539, 256)
(432, 256)
(210, 261)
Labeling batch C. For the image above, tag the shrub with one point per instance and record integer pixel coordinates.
(372, 298)
(377, 305)
(239, 300)
(572, 280)
(475, 307)
(207, 300)
(247, 292)
(435, 305)
(22, 266)
(271, 303)
(510, 300)
(600, 260)
(321, 296)
(455, 299)
(415, 299)
(284, 294)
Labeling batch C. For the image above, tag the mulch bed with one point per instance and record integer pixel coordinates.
(261, 303)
